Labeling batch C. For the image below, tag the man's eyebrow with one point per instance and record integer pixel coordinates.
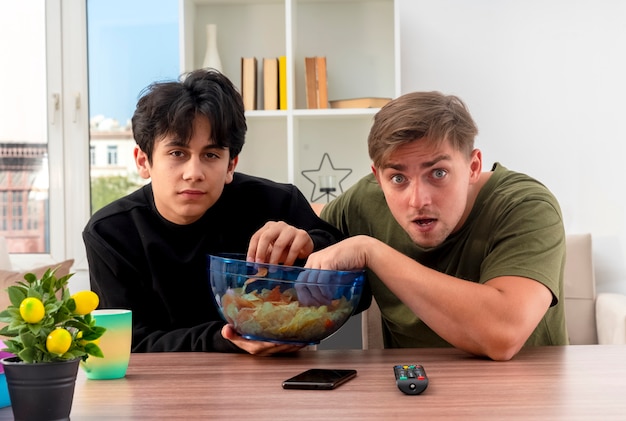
(212, 146)
(436, 160)
(394, 166)
(174, 141)
(427, 164)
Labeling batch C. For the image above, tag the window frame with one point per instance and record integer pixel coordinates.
(68, 135)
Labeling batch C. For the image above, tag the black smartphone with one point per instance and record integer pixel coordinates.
(319, 379)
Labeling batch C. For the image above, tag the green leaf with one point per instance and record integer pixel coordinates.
(52, 304)
(16, 295)
(30, 278)
(74, 353)
(13, 346)
(6, 317)
(99, 330)
(41, 347)
(77, 324)
(64, 280)
(93, 349)
(93, 333)
(35, 328)
(18, 325)
(71, 305)
(28, 355)
(28, 339)
(33, 291)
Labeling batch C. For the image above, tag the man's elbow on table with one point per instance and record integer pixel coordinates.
(497, 344)
(504, 344)
(504, 352)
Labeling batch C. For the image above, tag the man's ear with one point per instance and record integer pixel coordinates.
(142, 163)
(232, 164)
(375, 171)
(476, 164)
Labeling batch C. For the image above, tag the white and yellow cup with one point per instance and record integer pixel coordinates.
(115, 344)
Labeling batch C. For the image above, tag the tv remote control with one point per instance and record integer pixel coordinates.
(411, 378)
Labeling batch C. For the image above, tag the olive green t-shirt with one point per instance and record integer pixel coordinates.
(514, 229)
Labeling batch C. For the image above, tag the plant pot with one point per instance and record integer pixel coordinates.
(41, 391)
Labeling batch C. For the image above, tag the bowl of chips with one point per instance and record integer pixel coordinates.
(283, 304)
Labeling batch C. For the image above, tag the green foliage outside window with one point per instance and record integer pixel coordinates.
(104, 190)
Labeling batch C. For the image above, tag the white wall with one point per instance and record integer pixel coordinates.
(545, 82)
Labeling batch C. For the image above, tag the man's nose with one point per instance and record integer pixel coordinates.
(193, 169)
(419, 196)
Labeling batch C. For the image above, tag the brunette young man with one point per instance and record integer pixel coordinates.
(148, 251)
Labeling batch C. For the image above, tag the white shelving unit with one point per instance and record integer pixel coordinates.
(360, 39)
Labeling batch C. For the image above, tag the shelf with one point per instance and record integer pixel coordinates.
(256, 28)
(336, 113)
(358, 39)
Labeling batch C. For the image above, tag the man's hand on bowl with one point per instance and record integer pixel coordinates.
(315, 288)
(260, 348)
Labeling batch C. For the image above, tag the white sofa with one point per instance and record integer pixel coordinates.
(591, 318)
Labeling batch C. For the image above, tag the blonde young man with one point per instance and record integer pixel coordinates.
(456, 256)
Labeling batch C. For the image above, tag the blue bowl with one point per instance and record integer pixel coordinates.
(284, 304)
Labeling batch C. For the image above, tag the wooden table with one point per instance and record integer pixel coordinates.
(585, 382)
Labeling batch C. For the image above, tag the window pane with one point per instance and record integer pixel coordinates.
(130, 45)
(24, 178)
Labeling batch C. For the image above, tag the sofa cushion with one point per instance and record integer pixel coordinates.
(611, 316)
(8, 278)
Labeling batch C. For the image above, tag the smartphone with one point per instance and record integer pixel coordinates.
(319, 379)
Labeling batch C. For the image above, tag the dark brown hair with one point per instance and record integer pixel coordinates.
(169, 108)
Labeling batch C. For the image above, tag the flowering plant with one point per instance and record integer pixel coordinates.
(45, 323)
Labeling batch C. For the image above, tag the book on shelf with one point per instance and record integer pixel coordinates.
(270, 83)
(316, 82)
(310, 79)
(364, 102)
(322, 83)
(249, 82)
(282, 82)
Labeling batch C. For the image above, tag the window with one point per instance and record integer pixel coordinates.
(131, 44)
(4, 206)
(112, 154)
(48, 149)
(24, 145)
(44, 120)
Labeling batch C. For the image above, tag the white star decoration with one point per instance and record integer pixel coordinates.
(326, 168)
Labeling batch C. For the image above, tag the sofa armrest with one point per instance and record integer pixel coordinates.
(611, 318)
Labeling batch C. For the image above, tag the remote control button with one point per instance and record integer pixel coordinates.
(411, 379)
